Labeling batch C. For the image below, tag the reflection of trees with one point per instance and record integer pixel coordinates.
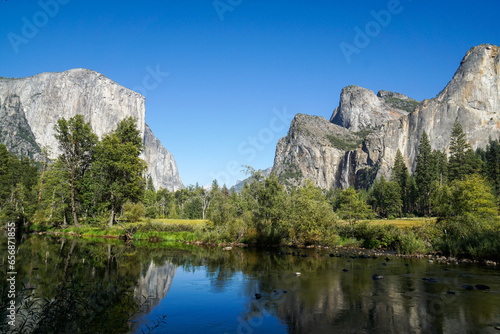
(83, 283)
(323, 299)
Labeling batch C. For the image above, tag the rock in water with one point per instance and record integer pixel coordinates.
(377, 277)
(482, 287)
(30, 107)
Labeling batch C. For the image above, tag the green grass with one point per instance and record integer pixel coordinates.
(399, 222)
(403, 222)
(178, 221)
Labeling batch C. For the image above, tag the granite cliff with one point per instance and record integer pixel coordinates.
(31, 106)
(364, 133)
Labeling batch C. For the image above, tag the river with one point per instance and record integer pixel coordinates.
(196, 289)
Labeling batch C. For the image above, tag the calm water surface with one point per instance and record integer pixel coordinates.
(209, 290)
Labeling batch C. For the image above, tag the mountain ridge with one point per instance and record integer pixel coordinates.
(46, 97)
(472, 96)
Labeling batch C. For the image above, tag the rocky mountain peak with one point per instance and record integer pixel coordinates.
(360, 108)
(392, 122)
(39, 101)
(476, 83)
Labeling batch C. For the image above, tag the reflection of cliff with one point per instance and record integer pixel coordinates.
(381, 308)
(154, 284)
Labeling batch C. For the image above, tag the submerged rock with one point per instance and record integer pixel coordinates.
(377, 277)
(482, 287)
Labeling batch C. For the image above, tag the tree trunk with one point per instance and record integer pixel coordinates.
(66, 265)
(41, 180)
(65, 223)
(112, 218)
(73, 205)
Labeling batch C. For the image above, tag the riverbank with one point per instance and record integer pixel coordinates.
(413, 238)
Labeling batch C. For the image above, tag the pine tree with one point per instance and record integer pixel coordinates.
(492, 168)
(458, 166)
(425, 173)
(401, 176)
(441, 161)
(352, 207)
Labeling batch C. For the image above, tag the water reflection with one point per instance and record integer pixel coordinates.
(154, 284)
(211, 290)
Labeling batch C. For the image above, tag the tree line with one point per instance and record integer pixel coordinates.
(91, 178)
(95, 181)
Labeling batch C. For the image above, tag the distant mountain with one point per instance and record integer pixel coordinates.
(29, 108)
(360, 141)
(240, 183)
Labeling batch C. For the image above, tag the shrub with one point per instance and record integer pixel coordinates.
(133, 212)
(410, 243)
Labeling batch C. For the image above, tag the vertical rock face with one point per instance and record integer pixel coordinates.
(15, 132)
(47, 97)
(391, 121)
(314, 149)
(360, 108)
(161, 164)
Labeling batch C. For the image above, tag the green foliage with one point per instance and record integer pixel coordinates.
(132, 212)
(410, 243)
(406, 105)
(385, 198)
(291, 172)
(345, 143)
(460, 163)
(18, 179)
(118, 169)
(76, 142)
(309, 215)
(352, 207)
(492, 164)
(77, 308)
(425, 174)
(470, 196)
(401, 176)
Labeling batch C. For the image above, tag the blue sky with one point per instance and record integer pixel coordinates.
(234, 65)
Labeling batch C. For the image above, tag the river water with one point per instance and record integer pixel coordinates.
(197, 289)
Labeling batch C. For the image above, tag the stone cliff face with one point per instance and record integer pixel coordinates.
(161, 164)
(15, 133)
(391, 121)
(47, 97)
(360, 108)
(314, 149)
